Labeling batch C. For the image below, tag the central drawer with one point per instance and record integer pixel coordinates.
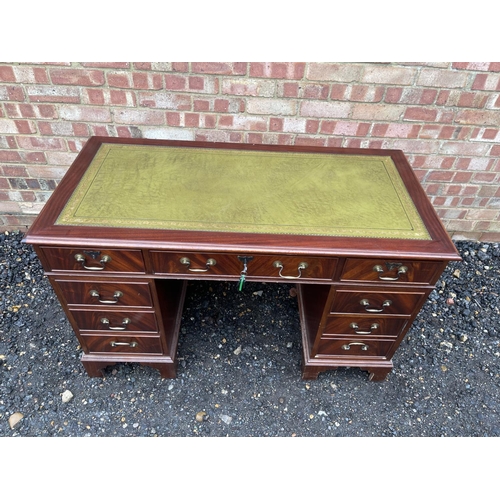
(276, 267)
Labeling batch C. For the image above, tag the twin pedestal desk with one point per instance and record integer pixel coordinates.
(134, 219)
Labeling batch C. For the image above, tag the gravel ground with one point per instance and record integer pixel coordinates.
(240, 365)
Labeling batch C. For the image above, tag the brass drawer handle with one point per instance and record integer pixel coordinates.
(355, 327)
(380, 269)
(104, 260)
(113, 343)
(300, 267)
(364, 347)
(186, 262)
(116, 296)
(125, 322)
(366, 304)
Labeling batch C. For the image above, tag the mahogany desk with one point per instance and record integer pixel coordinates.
(134, 219)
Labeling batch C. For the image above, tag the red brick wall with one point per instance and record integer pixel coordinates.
(444, 116)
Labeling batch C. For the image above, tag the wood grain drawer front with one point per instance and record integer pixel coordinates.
(376, 302)
(105, 293)
(277, 267)
(355, 347)
(363, 326)
(92, 260)
(121, 344)
(124, 322)
(389, 271)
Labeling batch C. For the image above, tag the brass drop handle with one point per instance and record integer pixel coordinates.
(116, 296)
(125, 322)
(366, 304)
(104, 260)
(113, 343)
(364, 347)
(380, 269)
(186, 262)
(301, 266)
(355, 327)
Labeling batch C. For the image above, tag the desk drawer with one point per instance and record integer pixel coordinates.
(354, 347)
(124, 322)
(391, 271)
(363, 326)
(375, 302)
(119, 344)
(278, 267)
(104, 293)
(92, 260)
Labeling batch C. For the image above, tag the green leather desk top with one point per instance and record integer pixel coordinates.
(155, 187)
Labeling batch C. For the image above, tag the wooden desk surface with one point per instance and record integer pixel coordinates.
(240, 197)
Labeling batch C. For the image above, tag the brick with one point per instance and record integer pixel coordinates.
(191, 119)
(390, 75)
(294, 125)
(366, 93)
(58, 94)
(219, 68)
(162, 100)
(464, 148)
(440, 175)
(8, 126)
(289, 71)
(301, 140)
(80, 77)
(201, 105)
(27, 74)
(120, 79)
(85, 113)
(249, 123)
(339, 92)
(478, 117)
(405, 130)
(312, 126)
(9, 207)
(442, 78)
(257, 105)
(376, 112)
(181, 67)
(420, 114)
(249, 87)
(471, 66)
(333, 72)
(316, 91)
(140, 116)
(482, 214)
(486, 82)
(483, 177)
(472, 100)
(173, 119)
(287, 89)
(7, 74)
(43, 143)
(325, 109)
(11, 93)
(147, 81)
(14, 171)
(276, 124)
(175, 82)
